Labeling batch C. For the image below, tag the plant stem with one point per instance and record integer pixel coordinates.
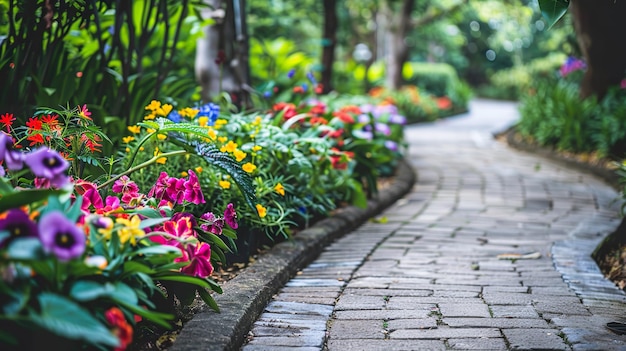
(141, 165)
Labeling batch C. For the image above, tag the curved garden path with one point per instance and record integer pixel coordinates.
(426, 275)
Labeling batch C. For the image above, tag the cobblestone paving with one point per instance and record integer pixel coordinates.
(428, 277)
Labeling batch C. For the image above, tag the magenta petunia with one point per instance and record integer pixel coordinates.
(175, 190)
(211, 223)
(18, 225)
(125, 185)
(199, 258)
(193, 190)
(230, 216)
(61, 237)
(181, 227)
(158, 191)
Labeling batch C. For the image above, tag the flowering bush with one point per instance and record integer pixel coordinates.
(81, 263)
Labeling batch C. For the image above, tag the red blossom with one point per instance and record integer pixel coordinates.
(344, 116)
(7, 120)
(121, 328)
(34, 123)
(50, 120)
(35, 139)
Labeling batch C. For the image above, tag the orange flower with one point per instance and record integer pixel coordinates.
(444, 103)
(344, 116)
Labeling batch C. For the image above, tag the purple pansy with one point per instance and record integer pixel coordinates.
(14, 160)
(61, 237)
(49, 164)
(18, 224)
(212, 224)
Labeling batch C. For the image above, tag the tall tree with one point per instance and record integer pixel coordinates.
(600, 30)
(329, 40)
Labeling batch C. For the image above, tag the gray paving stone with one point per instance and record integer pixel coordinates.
(495, 322)
(357, 329)
(385, 345)
(445, 333)
(534, 339)
(381, 314)
(484, 344)
(464, 310)
(514, 311)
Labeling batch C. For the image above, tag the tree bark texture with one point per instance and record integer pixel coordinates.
(398, 50)
(600, 30)
(329, 40)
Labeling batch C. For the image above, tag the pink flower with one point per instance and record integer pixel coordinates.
(181, 227)
(622, 84)
(175, 190)
(230, 216)
(158, 191)
(125, 185)
(199, 258)
(212, 224)
(193, 190)
(90, 194)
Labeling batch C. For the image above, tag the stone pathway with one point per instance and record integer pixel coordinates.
(426, 275)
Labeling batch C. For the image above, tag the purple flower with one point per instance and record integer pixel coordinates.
(397, 119)
(18, 225)
(363, 118)
(230, 216)
(13, 159)
(125, 185)
(193, 190)
(391, 145)
(383, 128)
(61, 236)
(49, 164)
(311, 78)
(572, 64)
(291, 73)
(363, 134)
(212, 224)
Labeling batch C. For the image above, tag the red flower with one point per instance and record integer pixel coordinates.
(351, 109)
(318, 120)
(344, 116)
(444, 103)
(121, 328)
(288, 108)
(34, 123)
(318, 109)
(298, 90)
(35, 139)
(319, 89)
(50, 120)
(7, 120)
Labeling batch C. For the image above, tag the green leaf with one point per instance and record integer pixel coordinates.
(149, 222)
(553, 10)
(65, 318)
(208, 299)
(25, 197)
(182, 278)
(87, 290)
(24, 249)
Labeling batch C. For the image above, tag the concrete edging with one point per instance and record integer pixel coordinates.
(246, 295)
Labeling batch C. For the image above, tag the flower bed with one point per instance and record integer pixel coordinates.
(93, 246)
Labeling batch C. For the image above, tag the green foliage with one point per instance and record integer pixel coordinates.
(553, 10)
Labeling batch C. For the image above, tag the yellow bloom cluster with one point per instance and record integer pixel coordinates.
(280, 189)
(158, 110)
(188, 112)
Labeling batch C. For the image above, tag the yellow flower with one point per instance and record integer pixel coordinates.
(134, 129)
(257, 121)
(161, 136)
(154, 105)
(188, 112)
(127, 149)
(130, 230)
(128, 139)
(261, 210)
(203, 121)
(184, 174)
(212, 134)
(256, 148)
(249, 167)
(150, 130)
(229, 147)
(141, 148)
(165, 110)
(279, 188)
(160, 160)
(225, 184)
(222, 139)
(150, 116)
(239, 155)
(198, 169)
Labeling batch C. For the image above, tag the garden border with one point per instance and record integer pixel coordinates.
(246, 295)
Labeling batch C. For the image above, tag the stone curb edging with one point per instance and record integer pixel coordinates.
(245, 296)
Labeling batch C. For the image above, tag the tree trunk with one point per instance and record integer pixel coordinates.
(398, 50)
(600, 29)
(328, 42)
(222, 53)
